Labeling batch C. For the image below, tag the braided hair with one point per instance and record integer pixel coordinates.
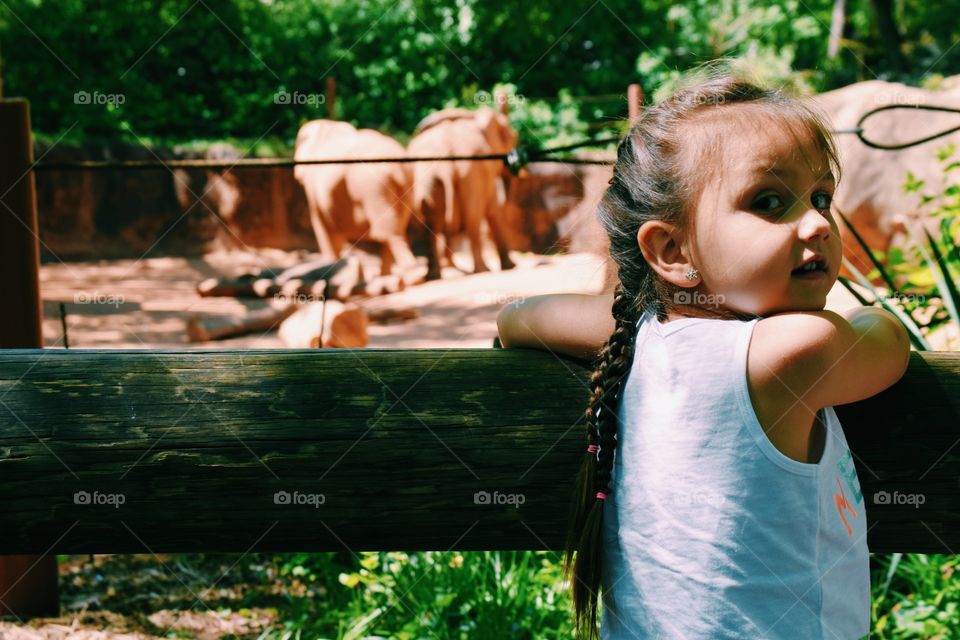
(661, 164)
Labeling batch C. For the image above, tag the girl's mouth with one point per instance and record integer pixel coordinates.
(813, 270)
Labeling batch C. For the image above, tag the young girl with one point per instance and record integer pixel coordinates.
(718, 497)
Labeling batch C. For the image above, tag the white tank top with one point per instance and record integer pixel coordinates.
(710, 531)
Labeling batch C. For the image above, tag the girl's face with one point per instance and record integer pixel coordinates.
(765, 213)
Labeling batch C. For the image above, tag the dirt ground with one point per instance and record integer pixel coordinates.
(127, 304)
(139, 304)
(146, 597)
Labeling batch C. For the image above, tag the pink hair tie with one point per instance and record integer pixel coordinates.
(601, 495)
(592, 448)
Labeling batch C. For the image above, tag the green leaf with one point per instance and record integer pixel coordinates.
(922, 279)
(866, 249)
(912, 183)
(916, 336)
(946, 151)
(953, 252)
(945, 281)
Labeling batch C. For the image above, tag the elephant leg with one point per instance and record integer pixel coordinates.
(324, 242)
(391, 252)
(448, 253)
(339, 244)
(499, 237)
(391, 234)
(386, 258)
(432, 209)
(451, 214)
(400, 250)
(348, 250)
(474, 219)
(438, 247)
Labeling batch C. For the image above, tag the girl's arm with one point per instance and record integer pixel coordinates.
(824, 359)
(573, 324)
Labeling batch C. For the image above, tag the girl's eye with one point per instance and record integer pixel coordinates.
(767, 202)
(821, 200)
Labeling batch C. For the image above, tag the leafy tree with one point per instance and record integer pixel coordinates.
(185, 69)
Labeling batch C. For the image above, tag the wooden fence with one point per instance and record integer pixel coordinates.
(105, 451)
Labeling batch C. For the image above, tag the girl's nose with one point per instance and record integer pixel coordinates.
(814, 224)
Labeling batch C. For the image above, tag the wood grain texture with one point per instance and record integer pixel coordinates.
(374, 448)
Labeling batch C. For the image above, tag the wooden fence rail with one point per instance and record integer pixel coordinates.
(176, 451)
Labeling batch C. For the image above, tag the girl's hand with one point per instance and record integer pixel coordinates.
(573, 324)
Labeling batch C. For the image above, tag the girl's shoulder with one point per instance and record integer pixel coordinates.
(822, 359)
(801, 362)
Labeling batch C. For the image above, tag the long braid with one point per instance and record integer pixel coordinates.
(613, 363)
(586, 484)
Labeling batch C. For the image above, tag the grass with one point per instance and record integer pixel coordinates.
(484, 595)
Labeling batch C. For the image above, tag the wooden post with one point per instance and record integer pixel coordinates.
(28, 584)
(634, 100)
(331, 96)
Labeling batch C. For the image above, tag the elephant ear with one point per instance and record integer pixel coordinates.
(496, 129)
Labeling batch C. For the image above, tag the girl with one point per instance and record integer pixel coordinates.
(718, 497)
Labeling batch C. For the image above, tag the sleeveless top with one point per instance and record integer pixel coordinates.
(710, 531)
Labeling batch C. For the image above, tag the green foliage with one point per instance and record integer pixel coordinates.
(546, 123)
(495, 595)
(766, 37)
(914, 596)
(177, 69)
(436, 595)
(941, 256)
(520, 595)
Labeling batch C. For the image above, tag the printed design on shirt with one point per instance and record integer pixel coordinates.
(849, 473)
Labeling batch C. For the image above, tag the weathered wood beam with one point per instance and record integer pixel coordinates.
(174, 451)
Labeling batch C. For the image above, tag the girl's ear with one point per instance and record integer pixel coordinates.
(663, 249)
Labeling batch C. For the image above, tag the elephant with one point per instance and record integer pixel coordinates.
(355, 202)
(870, 191)
(449, 194)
